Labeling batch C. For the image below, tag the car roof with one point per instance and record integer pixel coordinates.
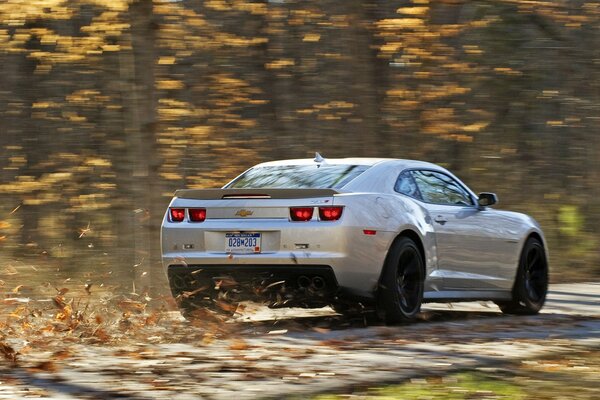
(354, 161)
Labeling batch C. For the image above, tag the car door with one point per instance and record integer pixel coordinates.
(474, 248)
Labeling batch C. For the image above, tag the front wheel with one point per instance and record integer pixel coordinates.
(531, 282)
(401, 286)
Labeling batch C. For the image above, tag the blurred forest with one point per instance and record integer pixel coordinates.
(108, 106)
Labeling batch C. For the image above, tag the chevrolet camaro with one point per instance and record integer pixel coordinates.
(387, 234)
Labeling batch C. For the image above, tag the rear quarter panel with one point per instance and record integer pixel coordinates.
(389, 215)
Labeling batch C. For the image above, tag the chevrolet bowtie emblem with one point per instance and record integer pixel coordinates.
(244, 213)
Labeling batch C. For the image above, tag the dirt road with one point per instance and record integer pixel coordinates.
(285, 353)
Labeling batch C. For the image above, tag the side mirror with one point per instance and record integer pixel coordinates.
(487, 199)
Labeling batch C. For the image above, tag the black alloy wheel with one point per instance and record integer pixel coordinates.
(531, 283)
(536, 274)
(401, 286)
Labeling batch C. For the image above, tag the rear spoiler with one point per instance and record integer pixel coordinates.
(218, 194)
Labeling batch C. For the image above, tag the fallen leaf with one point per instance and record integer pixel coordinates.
(44, 366)
(18, 289)
(239, 344)
(62, 291)
(226, 306)
(61, 354)
(131, 305)
(60, 301)
(9, 353)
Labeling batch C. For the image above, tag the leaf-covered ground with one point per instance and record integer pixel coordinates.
(85, 342)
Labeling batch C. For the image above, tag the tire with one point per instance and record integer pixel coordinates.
(531, 283)
(401, 285)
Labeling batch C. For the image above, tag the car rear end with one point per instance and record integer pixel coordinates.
(291, 247)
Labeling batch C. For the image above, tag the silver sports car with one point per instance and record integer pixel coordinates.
(383, 233)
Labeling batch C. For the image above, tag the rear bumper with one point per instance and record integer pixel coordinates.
(356, 259)
(278, 285)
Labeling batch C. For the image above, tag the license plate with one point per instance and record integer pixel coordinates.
(242, 242)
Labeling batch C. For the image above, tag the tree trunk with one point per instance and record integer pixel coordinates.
(141, 146)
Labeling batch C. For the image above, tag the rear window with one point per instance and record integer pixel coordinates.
(298, 176)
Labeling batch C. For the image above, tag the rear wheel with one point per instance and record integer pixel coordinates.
(531, 282)
(401, 287)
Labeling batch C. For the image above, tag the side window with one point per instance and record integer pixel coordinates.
(407, 185)
(439, 188)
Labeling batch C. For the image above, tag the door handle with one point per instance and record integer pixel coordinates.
(440, 219)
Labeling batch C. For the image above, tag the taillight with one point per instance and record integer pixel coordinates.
(330, 213)
(197, 214)
(177, 214)
(301, 213)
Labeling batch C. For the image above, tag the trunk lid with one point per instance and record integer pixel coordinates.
(252, 203)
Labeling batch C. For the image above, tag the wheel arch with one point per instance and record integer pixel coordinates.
(535, 235)
(415, 237)
(539, 236)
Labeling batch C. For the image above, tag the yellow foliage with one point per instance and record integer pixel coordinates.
(227, 39)
(279, 64)
(335, 104)
(413, 10)
(45, 104)
(472, 49)
(114, 5)
(217, 5)
(401, 93)
(171, 176)
(166, 61)
(400, 23)
(252, 8)
(200, 130)
(97, 162)
(390, 47)
(476, 127)
(507, 71)
(438, 92)
(169, 84)
(111, 47)
(311, 37)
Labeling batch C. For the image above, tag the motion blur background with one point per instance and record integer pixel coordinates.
(107, 107)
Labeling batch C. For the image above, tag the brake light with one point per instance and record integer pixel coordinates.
(177, 214)
(301, 213)
(197, 214)
(330, 213)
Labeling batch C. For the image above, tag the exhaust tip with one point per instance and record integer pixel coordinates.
(318, 283)
(304, 282)
(179, 282)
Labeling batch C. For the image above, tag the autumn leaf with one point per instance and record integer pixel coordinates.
(17, 289)
(238, 345)
(44, 366)
(62, 292)
(9, 353)
(132, 306)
